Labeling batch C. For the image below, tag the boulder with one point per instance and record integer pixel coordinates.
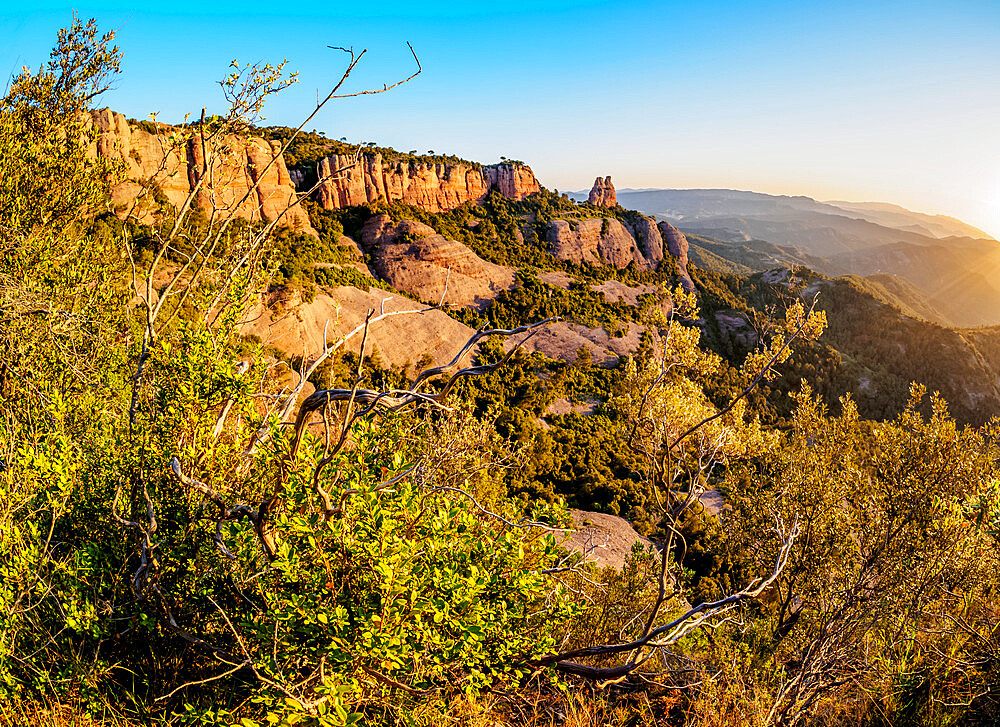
(604, 540)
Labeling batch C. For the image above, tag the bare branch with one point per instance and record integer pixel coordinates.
(669, 633)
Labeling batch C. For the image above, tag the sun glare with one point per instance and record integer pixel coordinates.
(993, 212)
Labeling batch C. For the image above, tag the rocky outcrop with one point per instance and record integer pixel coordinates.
(556, 278)
(615, 291)
(648, 238)
(604, 540)
(563, 340)
(734, 325)
(297, 327)
(248, 174)
(677, 246)
(606, 241)
(602, 194)
(603, 241)
(435, 187)
(413, 258)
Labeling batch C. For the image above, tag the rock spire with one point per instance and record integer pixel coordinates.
(602, 194)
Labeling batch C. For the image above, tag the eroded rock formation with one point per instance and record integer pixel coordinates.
(648, 238)
(605, 241)
(435, 187)
(602, 194)
(413, 258)
(677, 246)
(174, 165)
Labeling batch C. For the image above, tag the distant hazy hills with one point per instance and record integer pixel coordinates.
(892, 215)
(950, 271)
(800, 221)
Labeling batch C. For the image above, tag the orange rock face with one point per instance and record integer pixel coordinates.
(605, 242)
(435, 187)
(415, 259)
(677, 246)
(602, 194)
(247, 176)
(297, 327)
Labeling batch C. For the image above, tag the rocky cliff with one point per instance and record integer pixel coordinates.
(606, 241)
(435, 187)
(677, 246)
(413, 258)
(602, 194)
(174, 165)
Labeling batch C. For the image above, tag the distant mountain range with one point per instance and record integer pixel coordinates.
(892, 215)
(953, 267)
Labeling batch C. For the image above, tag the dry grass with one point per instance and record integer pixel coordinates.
(23, 713)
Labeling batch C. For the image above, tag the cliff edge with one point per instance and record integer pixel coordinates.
(432, 186)
(159, 156)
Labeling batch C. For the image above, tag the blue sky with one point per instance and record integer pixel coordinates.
(891, 101)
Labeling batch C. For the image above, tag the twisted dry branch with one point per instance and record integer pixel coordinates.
(368, 401)
(670, 633)
(396, 399)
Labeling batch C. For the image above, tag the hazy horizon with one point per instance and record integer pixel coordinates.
(896, 103)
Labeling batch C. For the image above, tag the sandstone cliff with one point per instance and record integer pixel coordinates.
(677, 246)
(176, 167)
(606, 241)
(413, 258)
(435, 187)
(602, 194)
(647, 236)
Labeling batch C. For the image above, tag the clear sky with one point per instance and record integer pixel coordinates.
(867, 101)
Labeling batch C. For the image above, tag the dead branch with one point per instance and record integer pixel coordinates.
(667, 634)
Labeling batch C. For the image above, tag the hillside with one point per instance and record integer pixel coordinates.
(302, 435)
(820, 226)
(958, 278)
(491, 248)
(489, 238)
(875, 347)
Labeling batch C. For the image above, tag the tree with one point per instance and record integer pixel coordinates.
(885, 596)
(47, 178)
(680, 437)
